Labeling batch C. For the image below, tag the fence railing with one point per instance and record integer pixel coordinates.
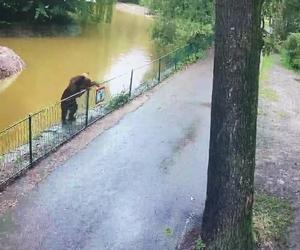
(32, 138)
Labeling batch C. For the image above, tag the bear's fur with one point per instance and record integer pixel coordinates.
(74, 90)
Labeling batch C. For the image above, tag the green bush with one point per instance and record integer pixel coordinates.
(118, 101)
(178, 21)
(272, 44)
(292, 47)
(200, 245)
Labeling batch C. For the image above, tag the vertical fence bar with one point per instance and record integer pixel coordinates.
(87, 107)
(159, 69)
(175, 61)
(130, 85)
(30, 138)
(189, 51)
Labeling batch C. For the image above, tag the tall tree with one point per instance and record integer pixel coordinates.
(227, 219)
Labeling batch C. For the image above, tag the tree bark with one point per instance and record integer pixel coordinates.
(227, 219)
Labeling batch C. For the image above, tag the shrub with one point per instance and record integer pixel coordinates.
(118, 101)
(292, 47)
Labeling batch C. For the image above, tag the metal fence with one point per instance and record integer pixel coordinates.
(29, 140)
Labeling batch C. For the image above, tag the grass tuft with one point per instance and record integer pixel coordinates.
(265, 91)
(271, 217)
(200, 245)
(269, 94)
(168, 232)
(118, 101)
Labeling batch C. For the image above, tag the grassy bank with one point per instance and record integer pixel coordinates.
(265, 92)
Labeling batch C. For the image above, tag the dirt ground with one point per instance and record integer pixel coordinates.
(278, 151)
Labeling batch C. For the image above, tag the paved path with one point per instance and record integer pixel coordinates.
(134, 187)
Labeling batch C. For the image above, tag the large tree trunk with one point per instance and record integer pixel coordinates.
(227, 219)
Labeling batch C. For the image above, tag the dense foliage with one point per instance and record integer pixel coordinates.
(281, 20)
(292, 50)
(282, 16)
(54, 10)
(178, 21)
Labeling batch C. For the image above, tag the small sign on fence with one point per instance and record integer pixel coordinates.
(100, 94)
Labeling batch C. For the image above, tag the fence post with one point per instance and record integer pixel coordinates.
(87, 106)
(30, 138)
(175, 61)
(130, 85)
(189, 51)
(159, 69)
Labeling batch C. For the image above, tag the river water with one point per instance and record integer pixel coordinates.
(104, 50)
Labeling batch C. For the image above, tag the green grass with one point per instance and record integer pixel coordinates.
(118, 101)
(284, 59)
(168, 232)
(265, 91)
(200, 245)
(260, 112)
(266, 65)
(281, 114)
(271, 217)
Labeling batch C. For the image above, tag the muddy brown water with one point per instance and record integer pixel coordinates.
(104, 50)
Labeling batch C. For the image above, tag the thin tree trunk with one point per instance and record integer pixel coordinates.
(227, 219)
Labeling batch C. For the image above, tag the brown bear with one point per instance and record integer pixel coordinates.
(75, 89)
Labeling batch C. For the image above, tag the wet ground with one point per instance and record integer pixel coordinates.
(136, 186)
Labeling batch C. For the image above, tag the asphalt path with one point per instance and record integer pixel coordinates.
(136, 186)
